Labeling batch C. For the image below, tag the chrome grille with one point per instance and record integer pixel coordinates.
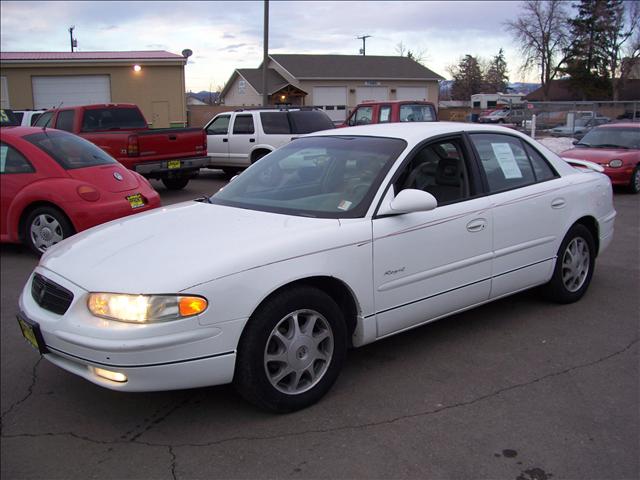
(49, 295)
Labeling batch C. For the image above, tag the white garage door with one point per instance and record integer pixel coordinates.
(333, 100)
(411, 93)
(372, 94)
(49, 92)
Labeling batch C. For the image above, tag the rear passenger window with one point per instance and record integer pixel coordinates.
(12, 161)
(65, 120)
(504, 161)
(275, 123)
(541, 168)
(385, 114)
(243, 125)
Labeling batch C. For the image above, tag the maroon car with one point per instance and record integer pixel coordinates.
(616, 147)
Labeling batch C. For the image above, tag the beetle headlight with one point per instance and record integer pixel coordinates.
(615, 163)
(144, 308)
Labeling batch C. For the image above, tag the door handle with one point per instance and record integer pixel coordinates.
(477, 225)
(252, 140)
(225, 140)
(172, 137)
(558, 203)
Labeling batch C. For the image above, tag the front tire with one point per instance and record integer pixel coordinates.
(634, 183)
(44, 227)
(291, 351)
(574, 266)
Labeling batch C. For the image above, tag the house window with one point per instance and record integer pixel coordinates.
(242, 84)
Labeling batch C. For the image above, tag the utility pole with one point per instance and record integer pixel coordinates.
(265, 55)
(364, 39)
(73, 42)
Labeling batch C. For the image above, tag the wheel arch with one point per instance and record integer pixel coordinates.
(335, 288)
(591, 224)
(259, 151)
(37, 204)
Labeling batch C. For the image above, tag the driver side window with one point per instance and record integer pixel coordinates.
(438, 168)
(220, 126)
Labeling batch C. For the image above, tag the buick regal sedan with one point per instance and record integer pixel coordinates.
(336, 240)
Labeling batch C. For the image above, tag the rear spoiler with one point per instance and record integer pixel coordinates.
(584, 163)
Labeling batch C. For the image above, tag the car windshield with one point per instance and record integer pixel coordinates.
(612, 137)
(329, 177)
(70, 151)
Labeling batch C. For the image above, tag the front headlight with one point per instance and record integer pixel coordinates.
(144, 308)
(615, 163)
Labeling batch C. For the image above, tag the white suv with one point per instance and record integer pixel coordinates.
(237, 139)
(28, 118)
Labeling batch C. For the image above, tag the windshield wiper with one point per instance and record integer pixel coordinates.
(202, 199)
(610, 145)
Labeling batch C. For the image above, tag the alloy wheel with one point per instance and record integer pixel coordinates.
(575, 264)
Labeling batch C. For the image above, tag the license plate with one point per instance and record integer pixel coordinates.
(136, 201)
(173, 164)
(31, 332)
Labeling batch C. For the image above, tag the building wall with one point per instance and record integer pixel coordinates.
(247, 98)
(154, 83)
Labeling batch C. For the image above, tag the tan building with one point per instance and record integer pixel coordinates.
(335, 83)
(153, 80)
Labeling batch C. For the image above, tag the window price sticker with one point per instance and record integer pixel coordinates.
(506, 160)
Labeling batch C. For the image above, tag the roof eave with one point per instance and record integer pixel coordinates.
(182, 61)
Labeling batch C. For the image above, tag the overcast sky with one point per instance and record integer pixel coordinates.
(228, 35)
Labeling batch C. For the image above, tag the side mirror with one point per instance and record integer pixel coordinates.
(409, 200)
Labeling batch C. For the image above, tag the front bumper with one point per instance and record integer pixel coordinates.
(619, 176)
(166, 356)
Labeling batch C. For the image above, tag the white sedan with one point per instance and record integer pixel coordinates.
(336, 240)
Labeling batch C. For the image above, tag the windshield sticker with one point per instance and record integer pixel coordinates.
(344, 205)
(4, 149)
(507, 161)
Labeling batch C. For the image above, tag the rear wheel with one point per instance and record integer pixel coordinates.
(175, 183)
(634, 183)
(44, 227)
(291, 351)
(574, 266)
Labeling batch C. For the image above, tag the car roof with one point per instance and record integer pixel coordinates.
(21, 131)
(415, 132)
(620, 125)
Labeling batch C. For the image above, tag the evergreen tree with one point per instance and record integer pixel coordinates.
(495, 77)
(467, 78)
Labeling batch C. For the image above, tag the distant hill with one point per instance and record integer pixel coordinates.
(515, 87)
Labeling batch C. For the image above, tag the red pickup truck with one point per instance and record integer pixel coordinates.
(172, 155)
(391, 112)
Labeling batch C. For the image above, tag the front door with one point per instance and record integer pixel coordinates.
(160, 112)
(218, 139)
(428, 264)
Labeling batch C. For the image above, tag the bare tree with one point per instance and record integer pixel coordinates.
(401, 48)
(625, 17)
(542, 32)
(421, 56)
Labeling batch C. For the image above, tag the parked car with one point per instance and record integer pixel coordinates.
(514, 115)
(337, 239)
(55, 184)
(616, 147)
(391, 112)
(28, 118)
(8, 119)
(236, 140)
(172, 155)
(580, 126)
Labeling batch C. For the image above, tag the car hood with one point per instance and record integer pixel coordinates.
(172, 248)
(601, 156)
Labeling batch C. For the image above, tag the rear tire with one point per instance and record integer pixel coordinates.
(44, 227)
(291, 350)
(574, 266)
(175, 183)
(634, 183)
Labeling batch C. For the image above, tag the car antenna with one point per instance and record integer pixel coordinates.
(44, 127)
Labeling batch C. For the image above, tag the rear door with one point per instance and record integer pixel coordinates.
(242, 139)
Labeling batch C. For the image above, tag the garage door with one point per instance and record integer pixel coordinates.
(332, 100)
(411, 93)
(372, 94)
(70, 90)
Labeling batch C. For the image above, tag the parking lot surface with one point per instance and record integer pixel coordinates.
(518, 389)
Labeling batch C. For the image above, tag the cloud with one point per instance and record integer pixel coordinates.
(228, 36)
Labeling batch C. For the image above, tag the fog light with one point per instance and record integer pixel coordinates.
(109, 375)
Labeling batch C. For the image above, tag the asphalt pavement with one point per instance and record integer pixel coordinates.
(519, 389)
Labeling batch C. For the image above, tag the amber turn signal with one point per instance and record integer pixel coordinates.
(192, 305)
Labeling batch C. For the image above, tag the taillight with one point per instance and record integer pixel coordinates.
(88, 193)
(132, 146)
(204, 141)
